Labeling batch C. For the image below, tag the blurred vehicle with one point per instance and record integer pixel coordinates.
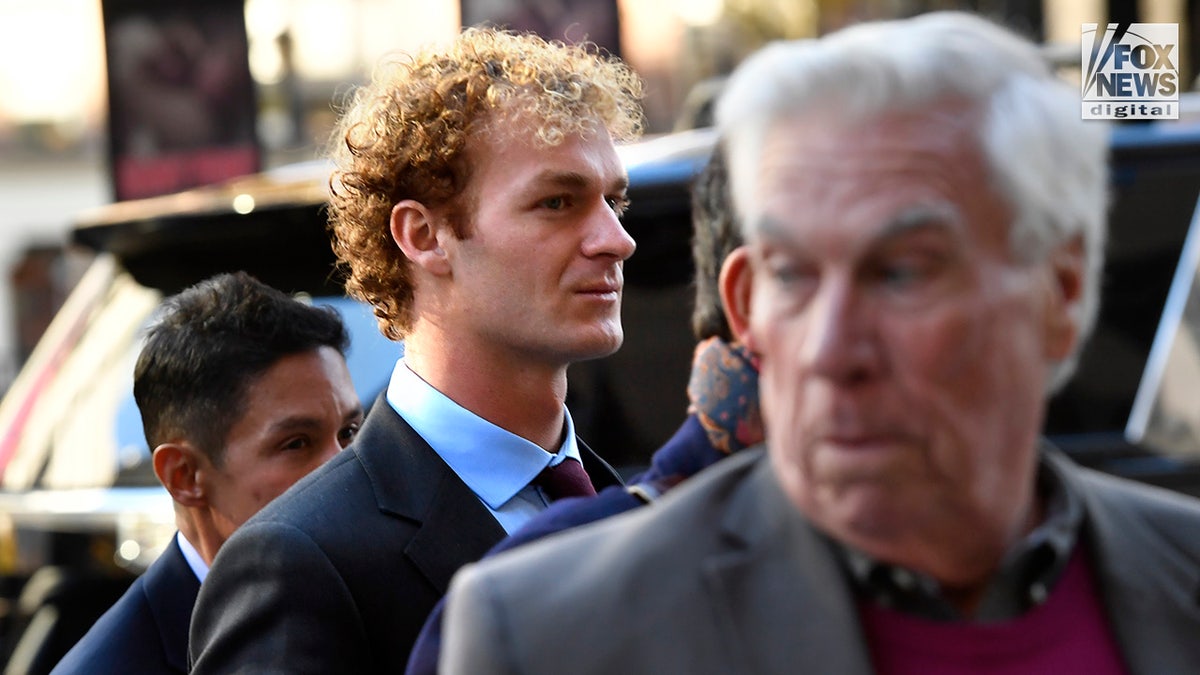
(81, 512)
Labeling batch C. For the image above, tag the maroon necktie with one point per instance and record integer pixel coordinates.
(567, 479)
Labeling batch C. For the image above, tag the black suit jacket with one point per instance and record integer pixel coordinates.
(338, 574)
(146, 631)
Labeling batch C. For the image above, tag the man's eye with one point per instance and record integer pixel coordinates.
(901, 274)
(787, 274)
(554, 203)
(347, 434)
(908, 271)
(298, 443)
(618, 204)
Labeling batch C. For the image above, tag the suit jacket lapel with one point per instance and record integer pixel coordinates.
(778, 591)
(1150, 589)
(784, 601)
(601, 473)
(411, 481)
(171, 588)
(458, 528)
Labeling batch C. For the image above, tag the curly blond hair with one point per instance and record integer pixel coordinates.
(404, 136)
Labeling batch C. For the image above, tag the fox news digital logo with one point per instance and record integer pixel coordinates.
(1129, 71)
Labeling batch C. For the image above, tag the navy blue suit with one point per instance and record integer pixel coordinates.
(686, 453)
(146, 631)
(338, 574)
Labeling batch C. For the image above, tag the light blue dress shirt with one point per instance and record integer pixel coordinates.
(495, 463)
(192, 556)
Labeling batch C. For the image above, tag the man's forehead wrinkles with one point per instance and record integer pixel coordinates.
(826, 182)
(927, 216)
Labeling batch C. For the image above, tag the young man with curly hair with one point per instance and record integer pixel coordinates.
(475, 205)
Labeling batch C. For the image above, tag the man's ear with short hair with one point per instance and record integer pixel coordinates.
(178, 466)
(734, 285)
(418, 232)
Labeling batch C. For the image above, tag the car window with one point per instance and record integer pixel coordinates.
(79, 426)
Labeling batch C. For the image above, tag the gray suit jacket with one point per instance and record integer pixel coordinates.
(338, 574)
(724, 576)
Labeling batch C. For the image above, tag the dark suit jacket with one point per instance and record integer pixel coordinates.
(146, 631)
(723, 575)
(685, 453)
(338, 574)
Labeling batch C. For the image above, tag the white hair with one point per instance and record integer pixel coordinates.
(1045, 160)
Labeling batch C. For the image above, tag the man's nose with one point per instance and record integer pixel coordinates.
(331, 448)
(840, 341)
(607, 236)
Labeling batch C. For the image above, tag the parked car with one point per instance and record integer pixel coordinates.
(81, 512)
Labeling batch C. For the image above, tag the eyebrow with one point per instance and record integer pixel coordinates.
(575, 180)
(937, 216)
(294, 422)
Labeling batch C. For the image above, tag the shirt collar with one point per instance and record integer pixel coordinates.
(192, 556)
(1026, 576)
(494, 462)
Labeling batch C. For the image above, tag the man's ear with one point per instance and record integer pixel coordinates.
(418, 233)
(178, 466)
(734, 284)
(1064, 310)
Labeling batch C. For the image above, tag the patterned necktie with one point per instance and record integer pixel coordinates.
(723, 394)
(567, 479)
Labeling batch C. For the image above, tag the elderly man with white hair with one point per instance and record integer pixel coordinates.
(925, 214)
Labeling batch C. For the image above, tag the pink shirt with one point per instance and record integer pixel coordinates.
(1069, 633)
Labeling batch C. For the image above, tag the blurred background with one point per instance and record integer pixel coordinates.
(62, 153)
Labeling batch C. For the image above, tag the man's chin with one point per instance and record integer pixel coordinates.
(865, 512)
(602, 350)
(597, 345)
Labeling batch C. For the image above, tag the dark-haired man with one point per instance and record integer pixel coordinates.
(242, 390)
